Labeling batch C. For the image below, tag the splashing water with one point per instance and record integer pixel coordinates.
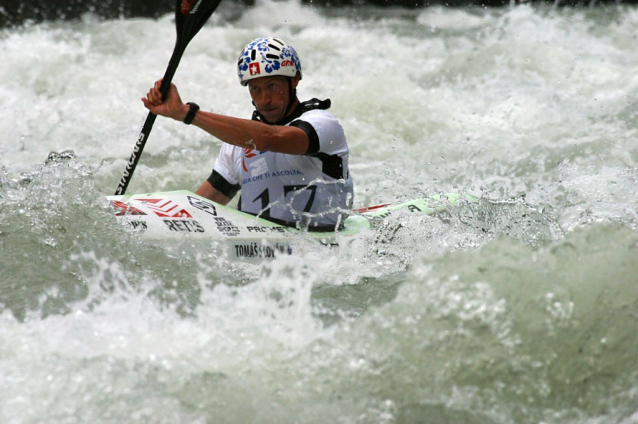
(520, 308)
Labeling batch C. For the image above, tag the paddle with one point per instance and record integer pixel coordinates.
(190, 17)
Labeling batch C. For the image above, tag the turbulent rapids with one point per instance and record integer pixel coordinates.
(520, 307)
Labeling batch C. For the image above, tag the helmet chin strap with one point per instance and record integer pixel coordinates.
(292, 98)
(292, 95)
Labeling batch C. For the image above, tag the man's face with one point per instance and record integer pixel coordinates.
(270, 95)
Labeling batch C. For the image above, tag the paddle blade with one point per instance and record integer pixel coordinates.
(190, 17)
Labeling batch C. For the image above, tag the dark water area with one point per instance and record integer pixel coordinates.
(14, 13)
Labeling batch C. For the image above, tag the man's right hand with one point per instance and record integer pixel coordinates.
(173, 107)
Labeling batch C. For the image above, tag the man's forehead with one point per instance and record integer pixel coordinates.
(266, 80)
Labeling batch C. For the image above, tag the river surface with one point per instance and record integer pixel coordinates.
(522, 308)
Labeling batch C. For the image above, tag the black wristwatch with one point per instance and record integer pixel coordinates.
(192, 110)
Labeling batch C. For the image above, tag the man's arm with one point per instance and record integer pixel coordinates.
(208, 191)
(252, 134)
(239, 132)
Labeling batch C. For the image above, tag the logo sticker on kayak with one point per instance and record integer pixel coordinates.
(226, 227)
(125, 209)
(209, 208)
(166, 208)
(184, 226)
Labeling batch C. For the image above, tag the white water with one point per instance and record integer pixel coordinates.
(521, 309)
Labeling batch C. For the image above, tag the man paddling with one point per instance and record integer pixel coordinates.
(290, 160)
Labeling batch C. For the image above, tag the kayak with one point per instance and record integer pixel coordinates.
(183, 215)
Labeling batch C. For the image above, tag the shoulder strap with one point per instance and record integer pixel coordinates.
(302, 108)
(315, 104)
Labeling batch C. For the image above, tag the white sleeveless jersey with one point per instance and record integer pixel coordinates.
(313, 190)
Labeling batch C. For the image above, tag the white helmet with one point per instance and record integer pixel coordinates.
(265, 57)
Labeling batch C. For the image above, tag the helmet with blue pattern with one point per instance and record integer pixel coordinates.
(265, 57)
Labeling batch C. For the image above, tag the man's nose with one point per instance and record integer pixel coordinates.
(264, 98)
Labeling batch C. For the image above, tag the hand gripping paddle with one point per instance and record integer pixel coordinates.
(190, 17)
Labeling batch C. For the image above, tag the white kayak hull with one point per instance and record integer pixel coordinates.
(183, 215)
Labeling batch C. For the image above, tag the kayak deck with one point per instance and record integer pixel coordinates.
(179, 215)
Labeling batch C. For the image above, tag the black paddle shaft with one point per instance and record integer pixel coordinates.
(190, 17)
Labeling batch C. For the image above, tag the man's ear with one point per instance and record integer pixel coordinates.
(296, 80)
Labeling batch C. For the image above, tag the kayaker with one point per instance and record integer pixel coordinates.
(290, 160)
